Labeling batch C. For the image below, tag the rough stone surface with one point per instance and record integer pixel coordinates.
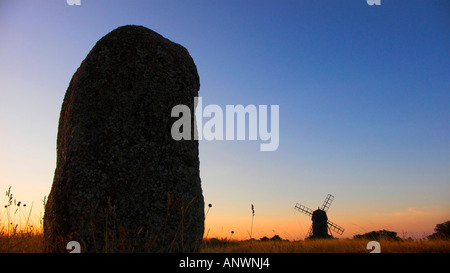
(121, 182)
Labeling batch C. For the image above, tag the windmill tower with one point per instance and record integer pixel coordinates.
(321, 228)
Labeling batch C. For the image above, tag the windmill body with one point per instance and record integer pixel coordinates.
(320, 224)
(321, 227)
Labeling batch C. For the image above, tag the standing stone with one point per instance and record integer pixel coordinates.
(122, 183)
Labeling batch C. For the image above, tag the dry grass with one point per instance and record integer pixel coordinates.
(32, 242)
(22, 243)
(325, 246)
(21, 232)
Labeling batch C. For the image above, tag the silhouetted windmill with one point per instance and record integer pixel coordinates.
(320, 224)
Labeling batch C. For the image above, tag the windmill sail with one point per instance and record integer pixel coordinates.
(304, 209)
(310, 232)
(332, 226)
(327, 203)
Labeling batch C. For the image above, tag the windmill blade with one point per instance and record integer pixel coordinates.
(310, 231)
(327, 203)
(332, 226)
(304, 209)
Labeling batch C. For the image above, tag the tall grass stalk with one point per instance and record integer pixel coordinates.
(251, 229)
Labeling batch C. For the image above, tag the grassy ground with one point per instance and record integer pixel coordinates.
(20, 232)
(32, 242)
(326, 246)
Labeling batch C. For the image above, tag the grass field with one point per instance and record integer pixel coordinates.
(32, 242)
(326, 246)
(21, 232)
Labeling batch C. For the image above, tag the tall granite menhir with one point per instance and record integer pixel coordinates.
(122, 184)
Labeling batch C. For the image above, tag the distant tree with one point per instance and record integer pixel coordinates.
(377, 235)
(276, 238)
(442, 231)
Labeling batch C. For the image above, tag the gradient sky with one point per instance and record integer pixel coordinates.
(363, 92)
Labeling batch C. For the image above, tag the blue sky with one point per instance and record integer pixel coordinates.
(363, 93)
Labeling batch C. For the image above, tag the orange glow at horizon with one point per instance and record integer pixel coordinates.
(410, 223)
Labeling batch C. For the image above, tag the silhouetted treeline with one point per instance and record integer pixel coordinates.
(378, 235)
(442, 231)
